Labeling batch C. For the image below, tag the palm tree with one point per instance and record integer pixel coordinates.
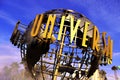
(6, 73)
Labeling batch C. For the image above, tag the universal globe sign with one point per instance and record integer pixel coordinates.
(68, 38)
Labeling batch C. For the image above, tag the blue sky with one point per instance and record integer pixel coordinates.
(105, 14)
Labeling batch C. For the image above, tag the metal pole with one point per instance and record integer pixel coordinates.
(59, 56)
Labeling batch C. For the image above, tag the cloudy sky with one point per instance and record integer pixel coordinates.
(105, 14)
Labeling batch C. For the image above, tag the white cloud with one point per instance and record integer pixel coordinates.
(109, 72)
(8, 49)
(116, 54)
(111, 76)
(105, 14)
(8, 59)
(7, 17)
(8, 54)
(31, 7)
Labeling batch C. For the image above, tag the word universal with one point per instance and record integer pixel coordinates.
(95, 43)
